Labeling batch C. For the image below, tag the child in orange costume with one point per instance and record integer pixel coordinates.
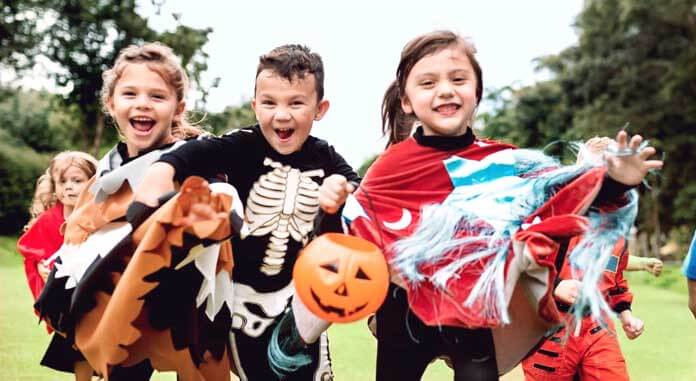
(589, 349)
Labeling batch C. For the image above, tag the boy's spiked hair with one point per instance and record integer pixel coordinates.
(294, 61)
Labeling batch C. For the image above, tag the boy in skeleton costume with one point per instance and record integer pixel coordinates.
(277, 169)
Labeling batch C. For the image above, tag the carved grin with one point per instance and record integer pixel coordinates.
(330, 309)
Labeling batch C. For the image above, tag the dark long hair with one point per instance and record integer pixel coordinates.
(395, 122)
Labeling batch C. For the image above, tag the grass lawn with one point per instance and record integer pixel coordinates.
(667, 350)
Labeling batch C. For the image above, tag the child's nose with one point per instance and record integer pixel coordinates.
(142, 101)
(282, 114)
(445, 89)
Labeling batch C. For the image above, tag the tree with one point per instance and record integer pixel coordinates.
(633, 63)
(18, 38)
(231, 118)
(366, 165)
(85, 39)
(37, 119)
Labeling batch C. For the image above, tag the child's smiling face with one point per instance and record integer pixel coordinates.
(144, 106)
(286, 109)
(441, 92)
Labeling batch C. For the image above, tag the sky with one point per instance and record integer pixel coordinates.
(360, 43)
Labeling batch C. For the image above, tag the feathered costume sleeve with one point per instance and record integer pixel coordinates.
(128, 288)
(169, 300)
(482, 253)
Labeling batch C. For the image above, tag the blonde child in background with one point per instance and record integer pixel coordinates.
(55, 197)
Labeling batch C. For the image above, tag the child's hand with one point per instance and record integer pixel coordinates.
(628, 166)
(44, 269)
(653, 266)
(567, 291)
(333, 193)
(632, 326)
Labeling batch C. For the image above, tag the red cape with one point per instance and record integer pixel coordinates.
(41, 241)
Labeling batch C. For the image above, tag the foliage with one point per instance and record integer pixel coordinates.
(18, 40)
(366, 165)
(36, 119)
(83, 38)
(633, 64)
(20, 166)
(231, 118)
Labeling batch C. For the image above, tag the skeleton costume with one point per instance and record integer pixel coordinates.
(134, 288)
(280, 197)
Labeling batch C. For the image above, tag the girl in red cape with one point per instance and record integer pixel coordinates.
(466, 222)
(55, 197)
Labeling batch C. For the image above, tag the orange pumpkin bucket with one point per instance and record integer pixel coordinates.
(341, 278)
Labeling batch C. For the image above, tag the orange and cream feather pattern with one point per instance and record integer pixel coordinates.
(117, 331)
(158, 290)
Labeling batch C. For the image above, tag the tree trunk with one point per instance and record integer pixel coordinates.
(99, 131)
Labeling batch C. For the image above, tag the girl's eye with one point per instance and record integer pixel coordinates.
(158, 96)
(459, 80)
(427, 83)
(128, 93)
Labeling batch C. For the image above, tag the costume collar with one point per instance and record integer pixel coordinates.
(444, 142)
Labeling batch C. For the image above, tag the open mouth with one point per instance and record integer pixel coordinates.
(448, 109)
(142, 123)
(284, 133)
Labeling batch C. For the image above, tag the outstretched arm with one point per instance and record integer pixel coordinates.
(628, 163)
(333, 193)
(651, 265)
(158, 180)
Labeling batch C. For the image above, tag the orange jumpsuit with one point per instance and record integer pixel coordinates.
(594, 353)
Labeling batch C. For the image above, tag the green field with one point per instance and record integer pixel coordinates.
(667, 350)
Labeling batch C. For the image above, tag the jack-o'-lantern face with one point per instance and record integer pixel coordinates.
(341, 278)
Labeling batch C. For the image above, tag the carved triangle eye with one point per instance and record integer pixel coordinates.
(333, 267)
(361, 274)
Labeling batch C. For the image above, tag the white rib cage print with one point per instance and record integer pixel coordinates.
(284, 203)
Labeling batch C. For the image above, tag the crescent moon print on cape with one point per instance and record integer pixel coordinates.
(402, 223)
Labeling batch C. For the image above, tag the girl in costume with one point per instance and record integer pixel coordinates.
(54, 199)
(125, 288)
(469, 226)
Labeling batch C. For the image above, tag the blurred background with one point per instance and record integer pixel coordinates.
(554, 72)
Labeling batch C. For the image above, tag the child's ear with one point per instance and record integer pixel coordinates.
(180, 107)
(110, 106)
(406, 105)
(322, 108)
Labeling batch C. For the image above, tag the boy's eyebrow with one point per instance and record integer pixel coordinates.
(299, 94)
